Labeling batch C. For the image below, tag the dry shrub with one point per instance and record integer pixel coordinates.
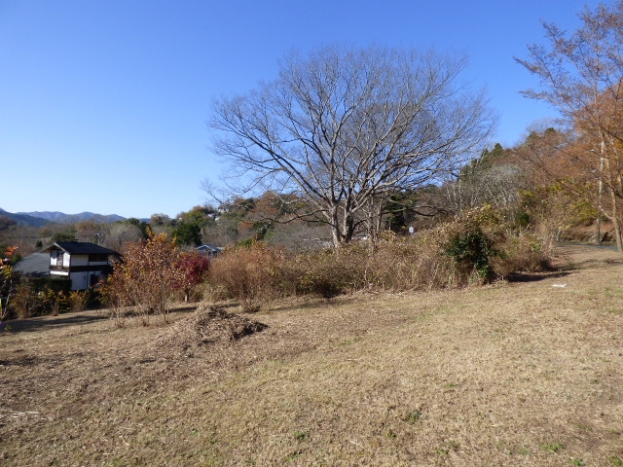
(146, 279)
(453, 254)
(329, 272)
(25, 302)
(30, 300)
(411, 263)
(78, 300)
(208, 325)
(393, 264)
(470, 250)
(521, 254)
(247, 274)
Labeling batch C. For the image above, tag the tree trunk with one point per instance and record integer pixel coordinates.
(616, 220)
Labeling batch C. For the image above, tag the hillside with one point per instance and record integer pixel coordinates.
(516, 374)
(24, 219)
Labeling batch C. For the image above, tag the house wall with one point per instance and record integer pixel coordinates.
(79, 280)
(89, 272)
(79, 260)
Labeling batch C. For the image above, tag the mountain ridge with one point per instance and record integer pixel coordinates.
(23, 219)
(40, 218)
(62, 218)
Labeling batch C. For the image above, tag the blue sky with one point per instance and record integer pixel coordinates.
(104, 103)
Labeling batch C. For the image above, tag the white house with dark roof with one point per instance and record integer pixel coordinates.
(83, 262)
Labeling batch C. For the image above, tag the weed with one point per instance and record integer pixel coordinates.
(413, 417)
(353, 341)
(552, 447)
(292, 456)
(616, 461)
(301, 435)
(577, 461)
(447, 447)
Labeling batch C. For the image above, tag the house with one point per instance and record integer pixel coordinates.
(209, 250)
(83, 262)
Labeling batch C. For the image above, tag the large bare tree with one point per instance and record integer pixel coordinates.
(582, 76)
(346, 127)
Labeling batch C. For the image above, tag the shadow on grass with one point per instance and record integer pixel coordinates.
(33, 360)
(311, 303)
(47, 322)
(536, 277)
(41, 323)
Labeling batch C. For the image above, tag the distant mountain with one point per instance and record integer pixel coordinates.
(24, 219)
(62, 218)
(90, 216)
(54, 216)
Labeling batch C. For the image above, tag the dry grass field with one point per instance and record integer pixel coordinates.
(524, 373)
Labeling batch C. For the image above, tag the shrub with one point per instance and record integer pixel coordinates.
(24, 302)
(329, 272)
(38, 298)
(248, 274)
(472, 250)
(78, 300)
(521, 254)
(146, 278)
(410, 263)
(394, 263)
(193, 270)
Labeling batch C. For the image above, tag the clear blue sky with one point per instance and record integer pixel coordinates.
(104, 103)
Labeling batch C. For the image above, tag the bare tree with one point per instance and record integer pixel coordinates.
(582, 76)
(120, 234)
(346, 127)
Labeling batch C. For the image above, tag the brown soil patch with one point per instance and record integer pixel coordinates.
(515, 374)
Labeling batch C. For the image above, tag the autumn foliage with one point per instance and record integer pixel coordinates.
(193, 270)
(151, 274)
(7, 282)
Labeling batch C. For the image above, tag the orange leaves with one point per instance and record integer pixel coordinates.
(147, 277)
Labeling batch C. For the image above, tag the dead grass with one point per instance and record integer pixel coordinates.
(517, 374)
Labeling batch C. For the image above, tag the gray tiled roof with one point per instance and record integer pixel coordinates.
(37, 264)
(81, 248)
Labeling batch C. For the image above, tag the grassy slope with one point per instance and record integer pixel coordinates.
(523, 374)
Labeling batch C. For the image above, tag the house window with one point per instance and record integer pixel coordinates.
(98, 258)
(57, 258)
(95, 278)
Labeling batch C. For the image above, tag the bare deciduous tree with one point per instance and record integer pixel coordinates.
(347, 127)
(582, 76)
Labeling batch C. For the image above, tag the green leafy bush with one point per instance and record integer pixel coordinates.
(472, 250)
